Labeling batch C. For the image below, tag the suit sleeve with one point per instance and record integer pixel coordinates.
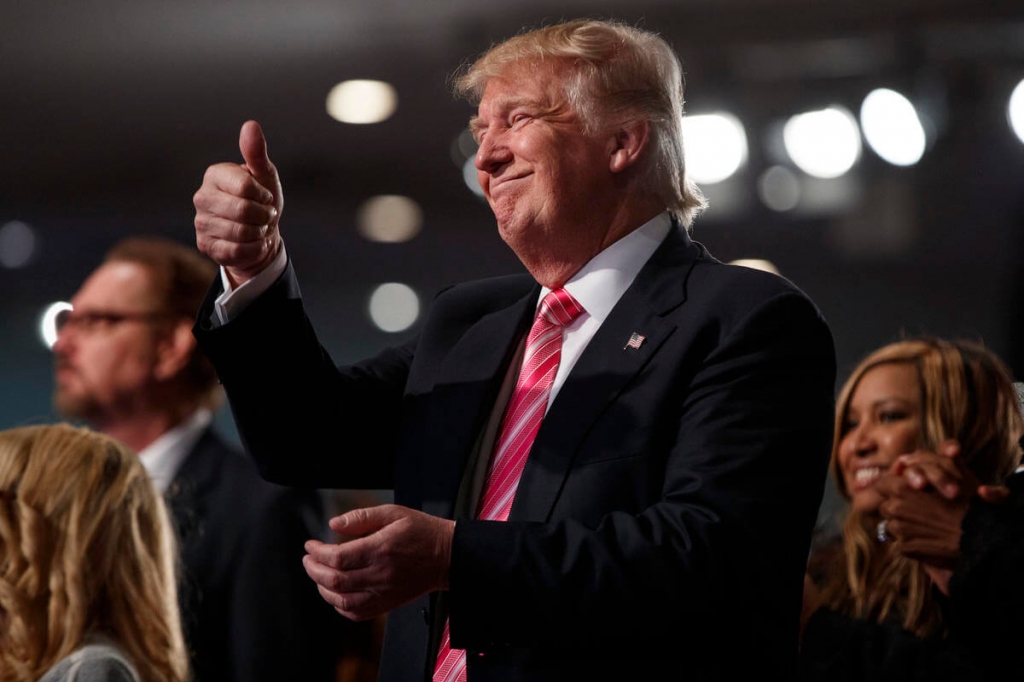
(280, 628)
(295, 410)
(724, 545)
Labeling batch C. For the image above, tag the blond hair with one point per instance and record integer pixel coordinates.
(619, 75)
(86, 548)
(967, 395)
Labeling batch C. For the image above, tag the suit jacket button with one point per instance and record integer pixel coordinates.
(426, 615)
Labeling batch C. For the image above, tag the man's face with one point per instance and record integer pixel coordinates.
(543, 177)
(107, 350)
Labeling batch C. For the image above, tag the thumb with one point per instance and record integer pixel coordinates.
(252, 143)
(253, 146)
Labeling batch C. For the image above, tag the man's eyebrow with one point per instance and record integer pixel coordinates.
(476, 127)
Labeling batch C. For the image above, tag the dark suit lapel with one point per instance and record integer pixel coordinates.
(602, 372)
(464, 395)
(187, 493)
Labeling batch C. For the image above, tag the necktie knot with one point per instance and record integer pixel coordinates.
(560, 308)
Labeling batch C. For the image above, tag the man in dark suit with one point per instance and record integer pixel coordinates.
(619, 484)
(127, 363)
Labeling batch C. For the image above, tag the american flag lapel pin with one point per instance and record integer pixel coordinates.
(634, 341)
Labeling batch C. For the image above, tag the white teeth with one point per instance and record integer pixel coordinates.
(866, 475)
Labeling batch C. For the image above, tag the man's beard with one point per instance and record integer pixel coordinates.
(75, 405)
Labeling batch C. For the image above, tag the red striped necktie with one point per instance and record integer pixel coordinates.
(518, 429)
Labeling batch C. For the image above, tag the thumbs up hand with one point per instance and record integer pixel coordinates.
(238, 208)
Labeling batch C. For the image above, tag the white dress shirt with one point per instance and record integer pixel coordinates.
(599, 285)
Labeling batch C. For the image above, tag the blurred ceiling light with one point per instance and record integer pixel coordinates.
(824, 143)
(757, 264)
(389, 218)
(463, 147)
(17, 244)
(715, 146)
(779, 188)
(362, 101)
(48, 322)
(1015, 110)
(892, 127)
(394, 307)
(470, 177)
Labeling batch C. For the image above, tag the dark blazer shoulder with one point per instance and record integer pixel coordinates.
(743, 284)
(475, 298)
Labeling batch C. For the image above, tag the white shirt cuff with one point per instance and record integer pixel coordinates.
(232, 302)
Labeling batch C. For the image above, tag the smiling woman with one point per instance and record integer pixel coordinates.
(864, 598)
(882, 421)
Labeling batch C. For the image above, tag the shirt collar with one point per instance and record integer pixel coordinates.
(163, 457)
(600, 283)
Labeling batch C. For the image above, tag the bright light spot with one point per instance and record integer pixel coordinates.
(823, 143)
(17, 244)
(389, 218)
(892, 127)
(48, 322)
(779, 188)
(757, 264)
(715, 146)
(469, 176)
(463, 147)
(394, 307)
(362, 101)
(1015, 110)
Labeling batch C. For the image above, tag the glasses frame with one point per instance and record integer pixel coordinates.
(93, 320)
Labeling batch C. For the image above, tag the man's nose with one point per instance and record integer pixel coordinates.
(63, 342)
(492, 154)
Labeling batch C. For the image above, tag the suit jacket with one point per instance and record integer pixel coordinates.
(249, 610)
(662, 522)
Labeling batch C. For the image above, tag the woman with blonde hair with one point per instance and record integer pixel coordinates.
(87, 582)
(871, 610)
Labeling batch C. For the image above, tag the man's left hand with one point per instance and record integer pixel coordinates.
(394, 555)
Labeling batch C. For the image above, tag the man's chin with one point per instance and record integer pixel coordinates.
(73, 406)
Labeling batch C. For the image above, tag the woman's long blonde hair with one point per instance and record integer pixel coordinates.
(967, 395)
(86, 548)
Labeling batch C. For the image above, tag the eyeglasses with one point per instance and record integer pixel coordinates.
(95, 320)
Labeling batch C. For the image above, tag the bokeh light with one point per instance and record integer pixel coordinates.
(394, 307)
(48, 322)
(715, 146)
(824, 143)
(389, 218)
(892, 127)
(362, 101)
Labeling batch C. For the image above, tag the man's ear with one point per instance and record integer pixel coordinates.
(628, 144)
(175, 350)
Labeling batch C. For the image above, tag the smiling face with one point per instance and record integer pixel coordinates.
(883, 420)
(547, 182)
